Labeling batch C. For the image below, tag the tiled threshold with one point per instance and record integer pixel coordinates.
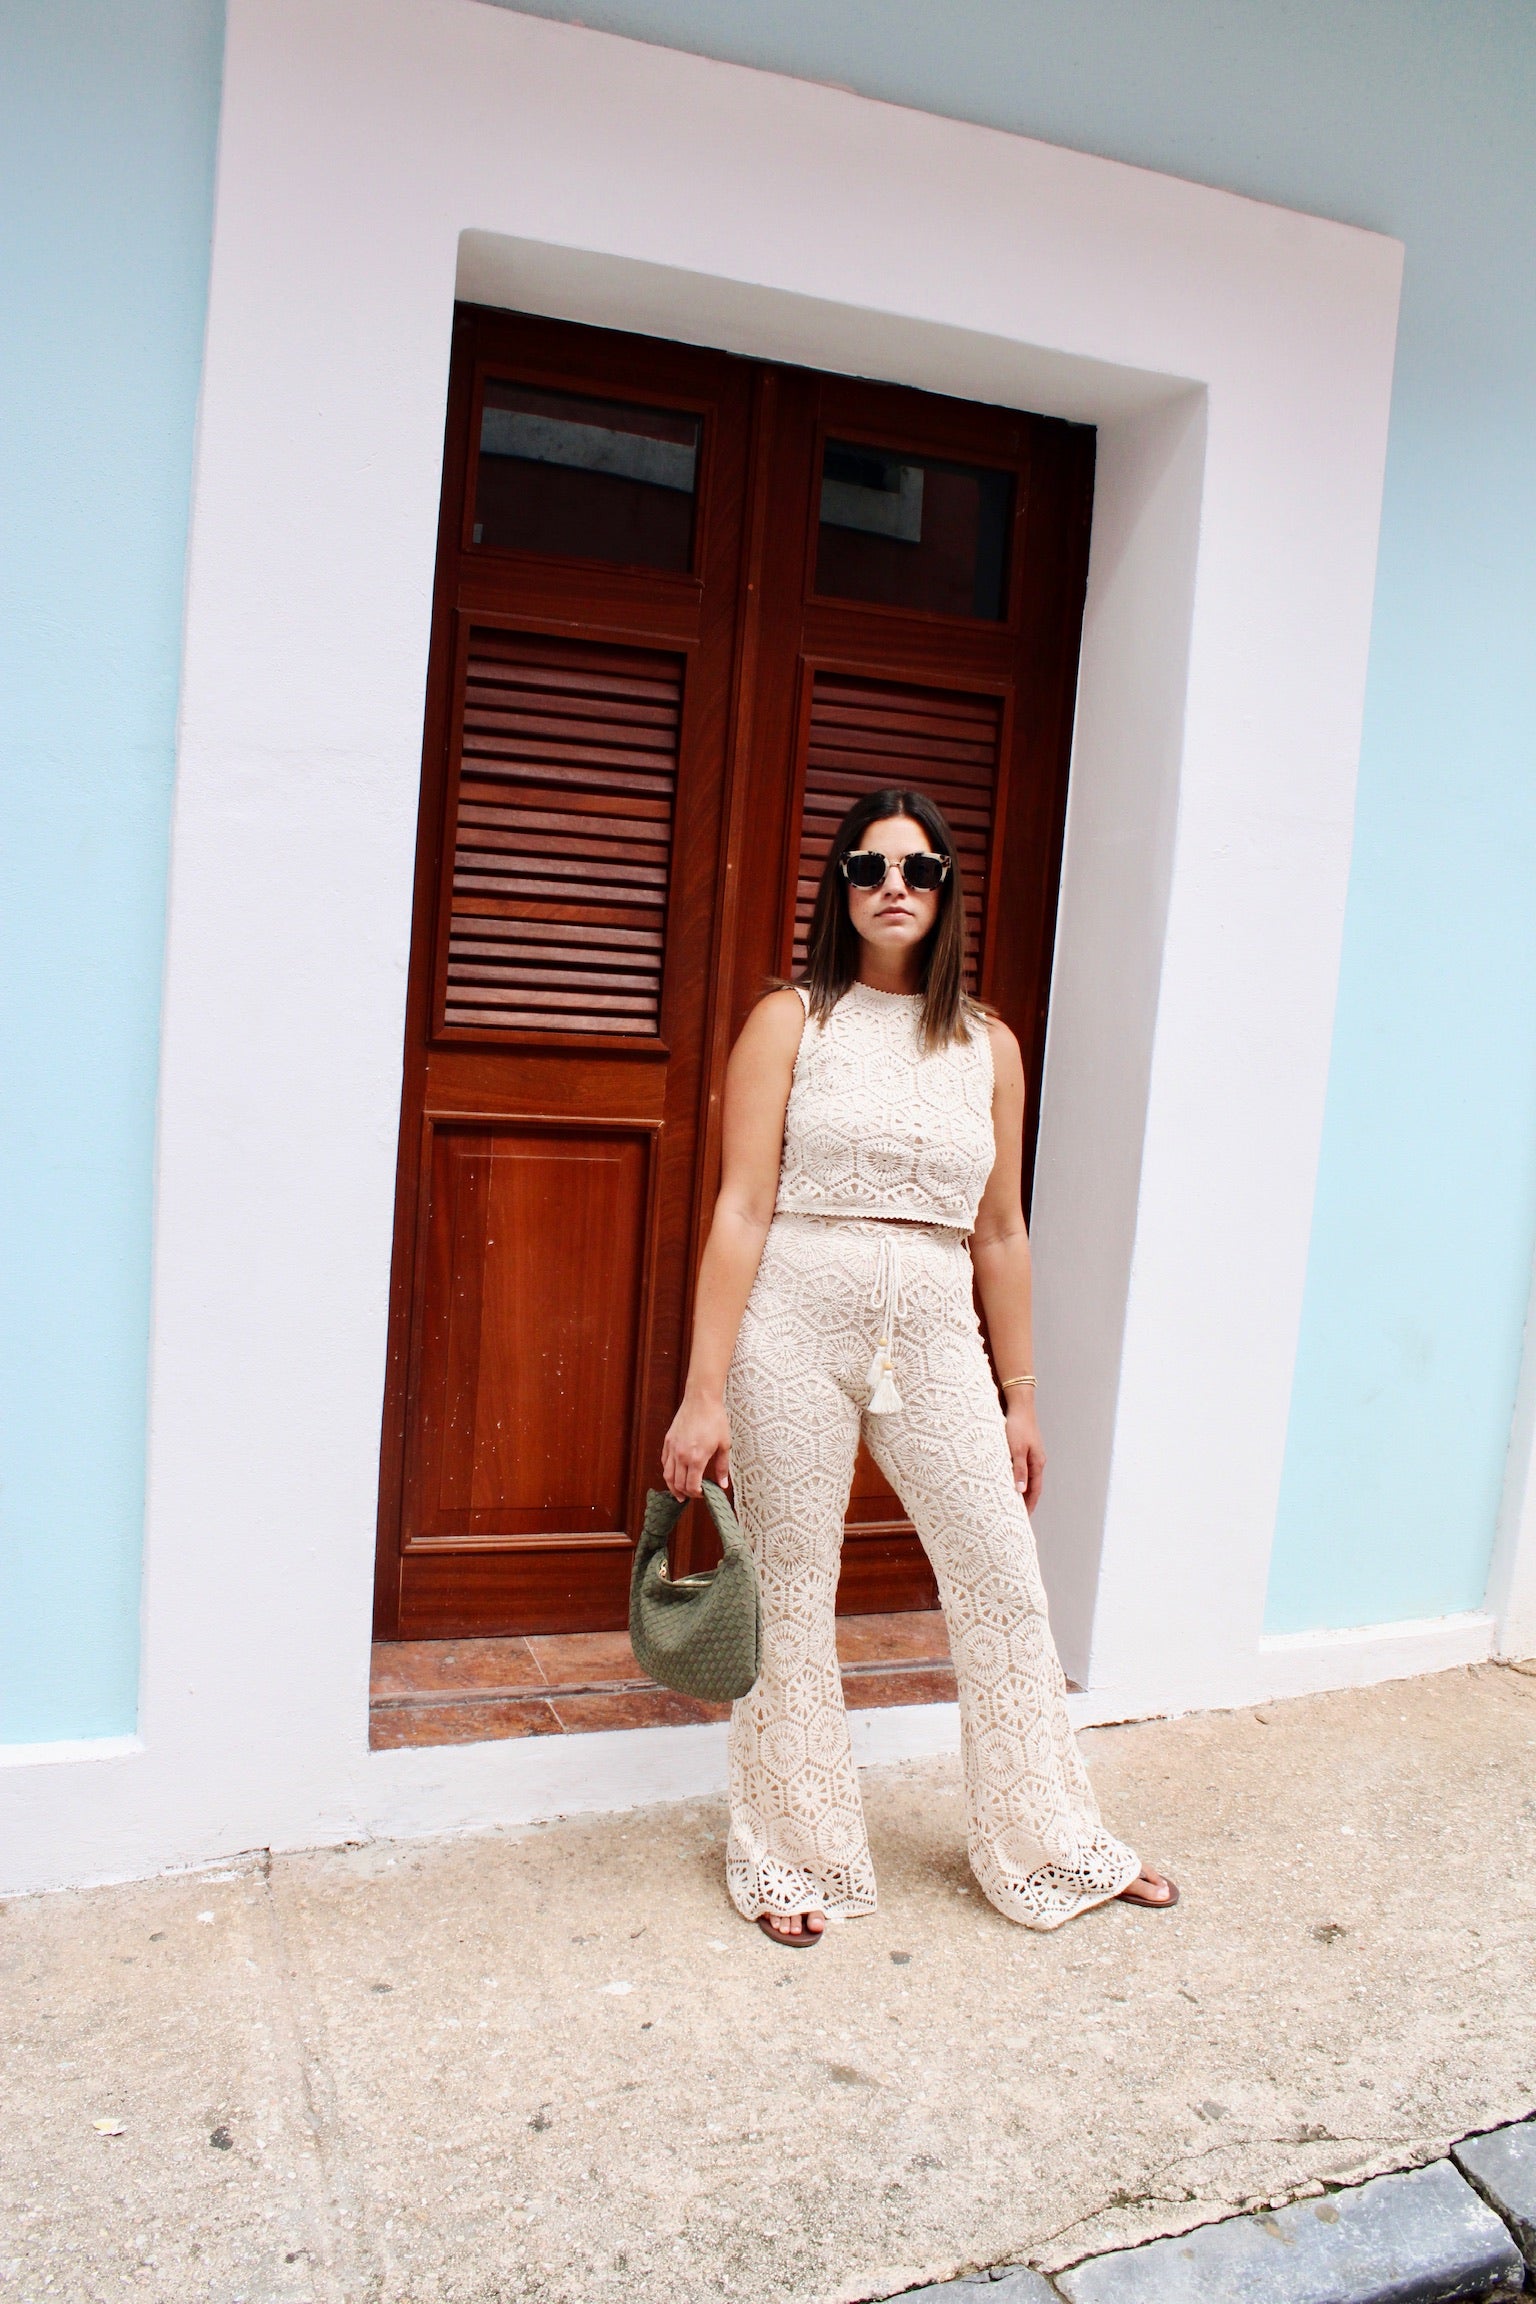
(567, 1684)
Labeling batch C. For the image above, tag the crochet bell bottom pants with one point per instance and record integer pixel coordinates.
(827, 1292)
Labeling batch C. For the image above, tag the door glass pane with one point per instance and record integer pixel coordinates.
(910, 532)
(585, 479)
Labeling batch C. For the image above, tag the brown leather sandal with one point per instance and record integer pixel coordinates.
(801, 1943)
(1150, 1903)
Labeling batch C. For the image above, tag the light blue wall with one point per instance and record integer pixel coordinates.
(107, 122)
(1418, 118)
(1412, 116)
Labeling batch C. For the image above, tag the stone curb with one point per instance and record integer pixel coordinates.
(1459, 2228)
(1421, 2238)
(1502, 2166)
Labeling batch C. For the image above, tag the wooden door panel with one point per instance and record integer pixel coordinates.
(562, 847)
(884, 1569)
(574, 772)
(566, 1582)
(525, 1401)
(884, 1565)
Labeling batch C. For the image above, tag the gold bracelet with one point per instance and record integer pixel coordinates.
(1011, 1380)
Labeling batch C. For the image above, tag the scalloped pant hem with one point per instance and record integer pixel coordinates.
(758, 1887)
(1040, 1904)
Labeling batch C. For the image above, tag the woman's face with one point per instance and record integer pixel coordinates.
(894, 918)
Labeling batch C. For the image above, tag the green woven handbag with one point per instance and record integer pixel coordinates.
(702, 1634)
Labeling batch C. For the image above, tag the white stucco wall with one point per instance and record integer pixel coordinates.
(1512, 1577)
(377, 154)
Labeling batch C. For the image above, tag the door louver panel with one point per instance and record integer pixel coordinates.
(563, 840)
(866, 734)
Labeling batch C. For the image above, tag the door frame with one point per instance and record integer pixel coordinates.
(766, 431)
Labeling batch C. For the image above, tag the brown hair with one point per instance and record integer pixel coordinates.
(832, 946)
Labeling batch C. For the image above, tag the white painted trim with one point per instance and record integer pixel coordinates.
(1238, 359)
(1116, 877)
(1512, 1571)
(1295, 1664)
(527, 1780)
(904, 1732)
(1302, 1663)
(769, 320)
(70, 1751)
(470, 1787)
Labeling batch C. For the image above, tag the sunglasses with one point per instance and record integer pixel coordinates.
(922, 871)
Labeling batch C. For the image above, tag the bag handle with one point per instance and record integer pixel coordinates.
(663, 1511)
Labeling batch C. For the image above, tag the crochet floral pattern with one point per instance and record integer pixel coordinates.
(877, 1128)
(798, 1401)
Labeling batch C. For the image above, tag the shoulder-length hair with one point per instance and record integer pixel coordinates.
(832, 946)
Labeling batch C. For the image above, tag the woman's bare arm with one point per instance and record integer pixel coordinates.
(757, 1084)
(1000, 1253)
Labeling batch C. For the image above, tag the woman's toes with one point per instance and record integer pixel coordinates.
(1149, 1887)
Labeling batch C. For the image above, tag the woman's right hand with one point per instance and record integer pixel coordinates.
(697, 1447)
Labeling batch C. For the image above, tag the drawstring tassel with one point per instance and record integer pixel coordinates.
(884, 1399)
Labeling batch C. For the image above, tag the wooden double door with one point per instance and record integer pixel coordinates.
(687, 608)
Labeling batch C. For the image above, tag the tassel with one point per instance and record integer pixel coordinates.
(884, 1399)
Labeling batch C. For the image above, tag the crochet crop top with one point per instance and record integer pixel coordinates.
(875, 1127)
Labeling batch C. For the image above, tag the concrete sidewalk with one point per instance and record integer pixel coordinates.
(556, 2066)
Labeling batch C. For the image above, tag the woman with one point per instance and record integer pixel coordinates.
(873, 1129)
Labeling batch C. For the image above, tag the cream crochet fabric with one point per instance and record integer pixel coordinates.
(874, 1118)
(796, 1397)
(877, 1128)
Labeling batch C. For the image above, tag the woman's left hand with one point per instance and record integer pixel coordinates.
(1026, 1448)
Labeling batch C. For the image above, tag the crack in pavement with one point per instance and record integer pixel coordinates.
(340, 2229)
(1151, 2195)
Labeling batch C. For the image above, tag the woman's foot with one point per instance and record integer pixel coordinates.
(1149, 1887)
(798, 1929)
